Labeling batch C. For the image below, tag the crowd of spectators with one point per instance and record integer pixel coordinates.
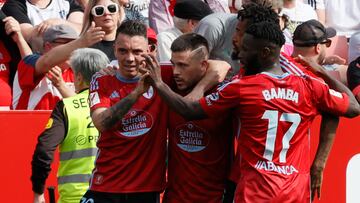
(39, 36)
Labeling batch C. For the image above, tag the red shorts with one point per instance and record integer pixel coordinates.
(254, 186)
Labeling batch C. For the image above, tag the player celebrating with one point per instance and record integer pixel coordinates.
(199, 151)
(275, 109)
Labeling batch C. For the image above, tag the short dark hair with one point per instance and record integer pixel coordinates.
(255, 13)
(132, 28)
(268, 31)
(189, 41)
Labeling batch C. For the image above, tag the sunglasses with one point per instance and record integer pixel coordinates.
(99, 10)
(326, 42)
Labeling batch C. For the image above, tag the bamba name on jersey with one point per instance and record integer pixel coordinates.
(281, 93)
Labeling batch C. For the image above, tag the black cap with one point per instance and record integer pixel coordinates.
(311, 33)
(191, 9)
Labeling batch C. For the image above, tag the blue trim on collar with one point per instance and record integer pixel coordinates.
(276, 76)
(126, 80)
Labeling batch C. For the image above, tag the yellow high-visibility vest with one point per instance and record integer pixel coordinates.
(78, 150)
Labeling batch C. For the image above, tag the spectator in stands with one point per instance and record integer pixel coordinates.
(138, 7)
(10, 52)
(342, 15)
(69, 121)
(160, 18)
(107, 14)
(32, 90)
(187, 13)
(298, 12)
(35, 17)
(10, 26)
(132, 14)
(353, 77)
(218, 6)
(312, 39)
(218, 29)
(354, 46)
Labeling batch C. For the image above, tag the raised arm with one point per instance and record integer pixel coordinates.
(354, 108)
(190, 110)
(55, 76)
(61, 53)
(12, 28)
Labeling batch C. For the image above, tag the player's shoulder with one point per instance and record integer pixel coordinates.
(100, 79)
(288, 64)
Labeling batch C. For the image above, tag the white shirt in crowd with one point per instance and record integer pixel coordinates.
(343, 15)
(165, 39)
(299, 14)
(56, 9)
(354, 47)
(139, 5)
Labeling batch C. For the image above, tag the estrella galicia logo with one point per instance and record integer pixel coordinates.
(191, 138)
(135, 123)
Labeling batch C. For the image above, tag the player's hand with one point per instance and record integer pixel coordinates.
(12, 27)
(334, 59)
(109, 70)
(218, 69)
(311, 63)
(39, 198)
(152, 67)
(92, 36)
(55, 76)
(143, 84)
(316, 173)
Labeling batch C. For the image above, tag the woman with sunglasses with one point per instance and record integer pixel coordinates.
(107, 14)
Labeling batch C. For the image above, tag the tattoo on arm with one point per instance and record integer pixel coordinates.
(191, 110)
(116, 112)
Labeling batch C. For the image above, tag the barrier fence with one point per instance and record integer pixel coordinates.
(20, 129)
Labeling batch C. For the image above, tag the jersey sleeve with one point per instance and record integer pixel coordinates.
(26, 72)
(227, 97)
(16, 9)
(353, 76)
(328, 100)
(98, 96)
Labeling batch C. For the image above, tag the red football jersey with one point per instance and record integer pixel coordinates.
(289, 65)
(275, 113)
(200, 154)
(36, 93)
(132, 155)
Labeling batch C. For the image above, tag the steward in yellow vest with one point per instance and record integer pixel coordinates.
(70, 127)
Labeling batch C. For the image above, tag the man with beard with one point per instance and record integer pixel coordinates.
(275, 109)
